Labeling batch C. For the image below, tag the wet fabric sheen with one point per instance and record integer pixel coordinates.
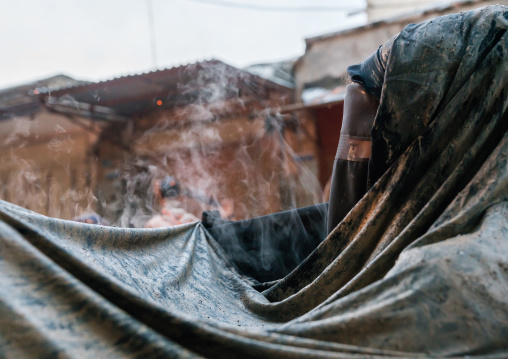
(418, 268)
(350, 167)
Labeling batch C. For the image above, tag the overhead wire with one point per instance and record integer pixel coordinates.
(349, 10)
(250, 6)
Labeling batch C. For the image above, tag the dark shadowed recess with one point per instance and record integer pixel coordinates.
(267, 248)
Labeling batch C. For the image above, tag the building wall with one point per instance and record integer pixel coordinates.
(301, 136)
(46, 165)
(383, 9)
(330, 55)
(225, 150)
(328, 124)
(233, 152)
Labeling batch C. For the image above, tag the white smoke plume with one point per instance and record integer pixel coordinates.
(218, 141)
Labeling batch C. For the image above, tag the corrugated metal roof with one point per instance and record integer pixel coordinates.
(135, 94)
(20, 100)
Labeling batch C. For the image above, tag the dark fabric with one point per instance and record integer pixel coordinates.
(348, 186)
(350, 167)
(417, 268)
(371, 72)
(349, 181)
(269, 247)
(448, 62)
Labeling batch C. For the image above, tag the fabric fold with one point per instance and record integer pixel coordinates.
(417, 268)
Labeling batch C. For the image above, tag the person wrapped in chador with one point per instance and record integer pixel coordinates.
(415, 266)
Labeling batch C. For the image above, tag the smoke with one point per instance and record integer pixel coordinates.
(42, 168)
(267, 248)
(221, 153)
(216, 149)
(217, 137)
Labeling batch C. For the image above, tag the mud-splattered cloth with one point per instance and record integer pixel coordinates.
(418, 267)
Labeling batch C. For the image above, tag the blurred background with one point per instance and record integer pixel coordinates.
(238, 104)
(97, 40)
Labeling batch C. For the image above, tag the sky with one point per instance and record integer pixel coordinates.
(101, 39)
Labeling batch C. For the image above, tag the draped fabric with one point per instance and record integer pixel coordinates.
(371, 72)
(419, 267)
(350, 167)
(267, 248)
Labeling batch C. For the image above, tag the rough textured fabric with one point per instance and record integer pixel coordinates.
(419, 267)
